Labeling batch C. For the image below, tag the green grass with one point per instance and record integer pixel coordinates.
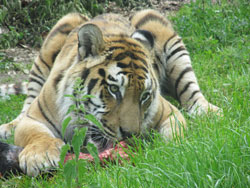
(215, 151)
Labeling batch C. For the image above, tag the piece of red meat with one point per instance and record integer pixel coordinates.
(10, 164)
(109, 154)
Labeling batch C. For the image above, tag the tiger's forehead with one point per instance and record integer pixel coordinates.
(124, 46)
(127, 78)
(127, 63)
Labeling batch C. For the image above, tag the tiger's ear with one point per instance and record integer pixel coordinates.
(90, 41)
(145, 37)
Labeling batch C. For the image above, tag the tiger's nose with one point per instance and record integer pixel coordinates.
(125, 134)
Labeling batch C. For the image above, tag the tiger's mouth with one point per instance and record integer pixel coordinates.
(99, 139)
(103, 141)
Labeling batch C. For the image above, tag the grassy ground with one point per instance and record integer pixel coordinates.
(215, 151)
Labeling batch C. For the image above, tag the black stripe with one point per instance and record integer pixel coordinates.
(57, 79)
(118, 97)
(103, 82)
(194, 92)
(63, 29)
(123, 65)
(115, 48)
(144, 69)
(32, 96)
(112, 78)
(131, 64)
(165, 45)
(140, 77)
(178, 41)
(46, 117)
(156, 68)
(123, 55)
(192, 104)
(186, 70)
(158, 122)
(44, 62)
(36, 75)
(85, 74)
(172, 69)
(36, 81)
(91, 102)
(139, 52)
(122, 81)
(183, 54)
(148, 35)
(38, 68)
(181, 48)
(92, 84)
(31, 117)
(185, 88)
(158, 58)
(105, 126)
(108, 58)
(123, 72)
(32, 89)
(125, 42)
(102, 72)
(101, 94)
(55, 55)
(106, 132)
(150, 17)
(101, 112)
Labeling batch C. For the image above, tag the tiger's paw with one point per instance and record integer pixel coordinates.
(40, 156)
(5, 130)
(204, 107)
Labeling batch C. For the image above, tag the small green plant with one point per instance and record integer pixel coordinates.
(72, 169)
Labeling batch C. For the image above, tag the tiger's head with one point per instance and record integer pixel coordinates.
(118, 71)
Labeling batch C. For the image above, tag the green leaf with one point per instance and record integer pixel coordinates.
(94, 152)
(63, 153)
(71, 108)
(87, 96)
(92, 118)
(77, 140)
(69, 172)
(82, 108)
(82, 169)
(70, 96)
(65, 124)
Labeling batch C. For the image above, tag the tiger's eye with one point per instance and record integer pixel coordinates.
(145, 96)
(114, 88)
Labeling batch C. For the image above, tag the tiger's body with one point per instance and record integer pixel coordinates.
(125, 64)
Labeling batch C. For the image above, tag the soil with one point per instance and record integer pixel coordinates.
(23, 56)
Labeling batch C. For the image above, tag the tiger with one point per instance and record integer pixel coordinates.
(127, 64)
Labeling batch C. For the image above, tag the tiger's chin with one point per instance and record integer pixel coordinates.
(103, 148)
(101, 145)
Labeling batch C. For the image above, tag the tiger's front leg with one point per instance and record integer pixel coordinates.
(41, 149)
(170, 121)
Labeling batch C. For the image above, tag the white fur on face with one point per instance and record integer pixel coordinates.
(121, 79)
